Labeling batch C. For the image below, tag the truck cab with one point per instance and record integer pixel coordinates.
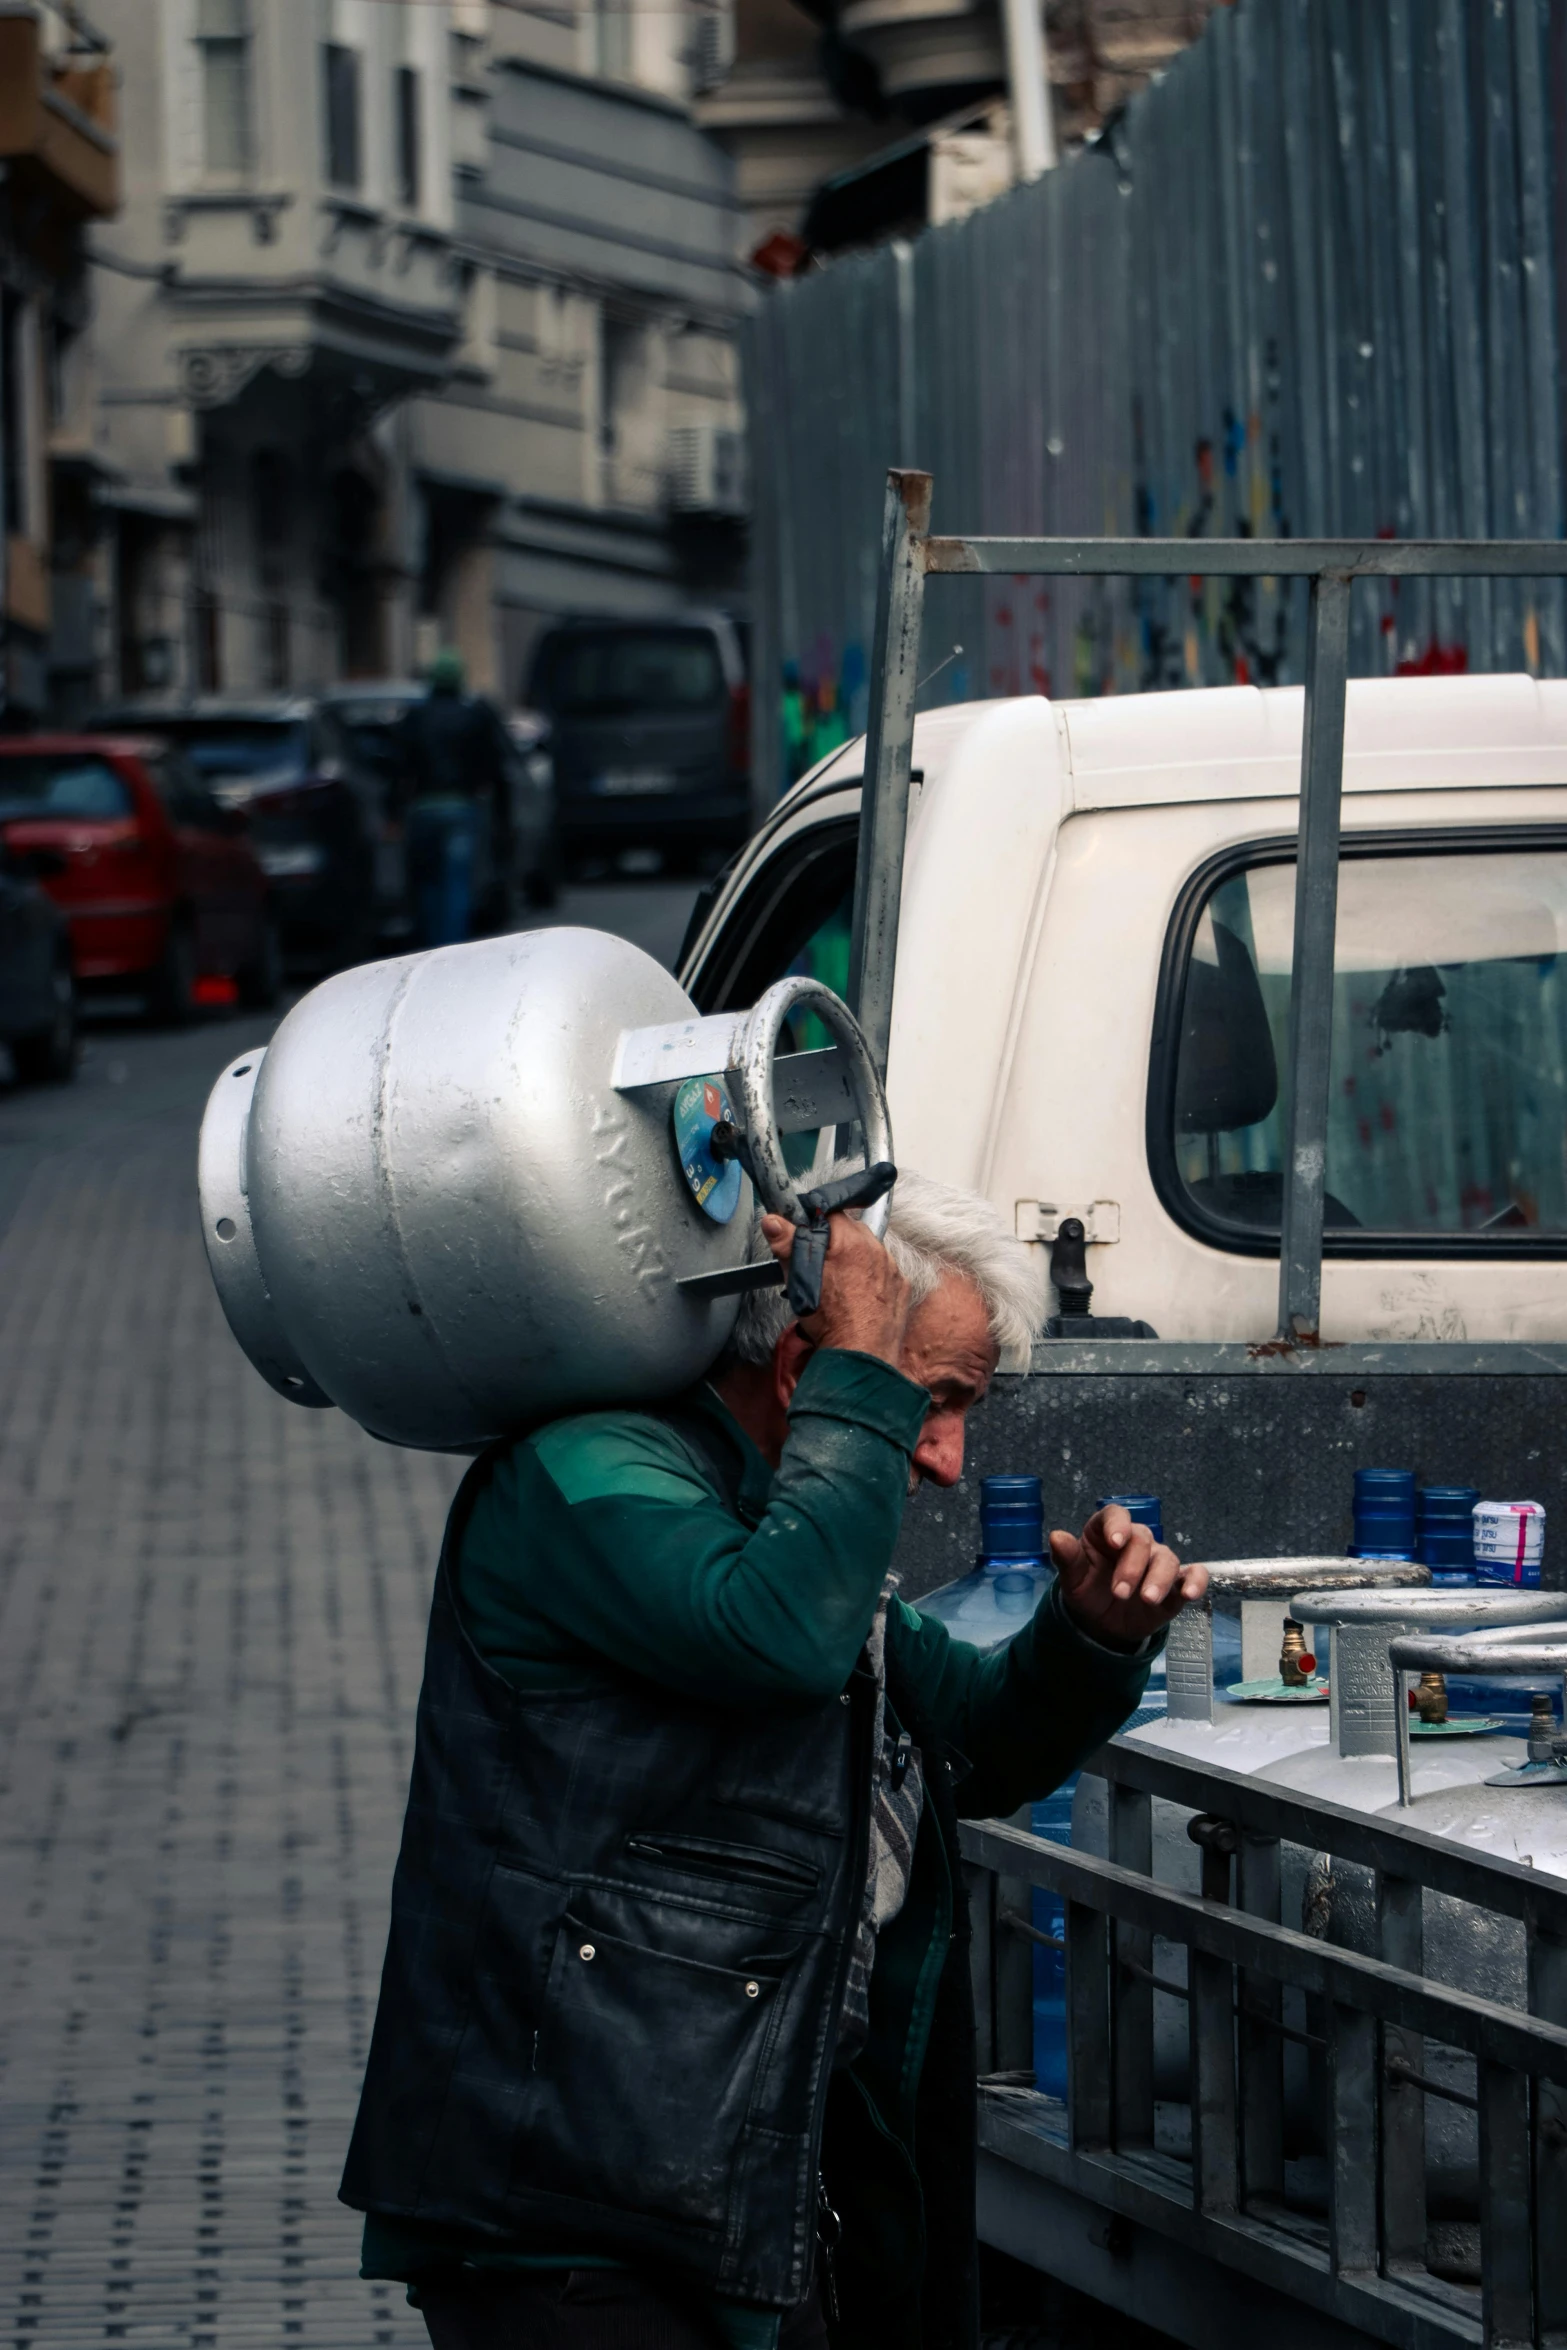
(1091, 1013)
(1090, 1018)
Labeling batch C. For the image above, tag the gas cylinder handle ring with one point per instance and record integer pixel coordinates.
(754, 1072)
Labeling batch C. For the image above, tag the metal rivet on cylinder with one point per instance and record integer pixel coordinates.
(845, 1699)
(752, 1990)
(587, 1951)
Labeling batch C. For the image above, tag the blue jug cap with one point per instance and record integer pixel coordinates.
(1144, 1509)
(1384, 1482)
(1011, 1518)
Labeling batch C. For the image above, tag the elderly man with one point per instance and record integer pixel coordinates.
(674, 2044)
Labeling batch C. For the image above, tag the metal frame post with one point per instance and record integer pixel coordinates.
(1311, 977)
(1547, 1977)
(1506, 2248)
(1211, 2012)
(889, 744)
(1131, 1959)
(1401, 1943)
(1028, 85)
(1089, 2079)
(905, 292)
(1261, 2044)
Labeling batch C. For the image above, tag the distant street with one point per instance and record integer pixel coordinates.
(211, 1611)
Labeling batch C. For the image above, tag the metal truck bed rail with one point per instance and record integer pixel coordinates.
(910, 554)
(1363, 2019)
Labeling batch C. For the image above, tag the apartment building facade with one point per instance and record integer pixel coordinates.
(416, 326)
(585, 452)
(279, 282)
(59, 173)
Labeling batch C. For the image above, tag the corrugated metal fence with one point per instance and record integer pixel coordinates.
(1310, 283)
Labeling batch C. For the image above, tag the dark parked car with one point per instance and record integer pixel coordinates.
(316, 815)
(650, 729)
(37, 992)
(369, 716)
(158, 881)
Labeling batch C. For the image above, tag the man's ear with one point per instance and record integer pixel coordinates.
(790, 1356)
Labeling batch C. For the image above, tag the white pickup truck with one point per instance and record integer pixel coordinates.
(1090, 1019)
(1093, 975)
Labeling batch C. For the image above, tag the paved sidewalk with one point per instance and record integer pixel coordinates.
(211, 1606)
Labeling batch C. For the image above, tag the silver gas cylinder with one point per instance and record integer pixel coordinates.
(465, 1190)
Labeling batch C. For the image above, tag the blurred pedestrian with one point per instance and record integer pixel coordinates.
(454, 791)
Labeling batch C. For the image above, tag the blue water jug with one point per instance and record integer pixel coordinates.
(1444, 1531)
(1384, 1514)
(1011, 1574)
(1052, 1819)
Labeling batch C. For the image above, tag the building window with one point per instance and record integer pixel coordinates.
(712, 44)
(208, 617)
(223, 44)
(620, 351)
(405, 108)
(271, 506)
(612, 21)
(22, 507)
(13, 470)
(340, 89)
(275, 647)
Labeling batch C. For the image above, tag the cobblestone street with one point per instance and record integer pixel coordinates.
(211, 1611)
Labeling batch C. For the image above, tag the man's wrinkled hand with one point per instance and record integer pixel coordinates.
(865, 1299)
(1119, 1585)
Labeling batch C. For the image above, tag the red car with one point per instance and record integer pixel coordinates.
(160, 885)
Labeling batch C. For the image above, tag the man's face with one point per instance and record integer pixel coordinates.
(947, 1348)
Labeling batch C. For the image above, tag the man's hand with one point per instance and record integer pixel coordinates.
(1119, 1585)
(865, 1299)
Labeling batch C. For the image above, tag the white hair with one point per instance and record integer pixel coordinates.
(934, 1231)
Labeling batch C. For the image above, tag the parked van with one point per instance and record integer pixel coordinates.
(650, 725)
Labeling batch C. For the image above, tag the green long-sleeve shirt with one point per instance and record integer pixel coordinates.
(604, 1539)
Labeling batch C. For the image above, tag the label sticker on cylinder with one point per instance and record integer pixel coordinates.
(715, 1183)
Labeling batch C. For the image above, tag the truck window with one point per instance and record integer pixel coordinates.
(1448, 1119)
(795, 916)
